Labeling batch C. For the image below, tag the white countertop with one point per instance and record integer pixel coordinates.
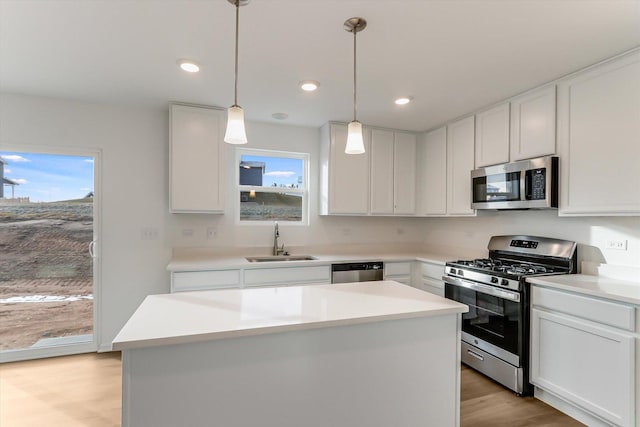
(599, 286)
(200, 262)
(206, 315)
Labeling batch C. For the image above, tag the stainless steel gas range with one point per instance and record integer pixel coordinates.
(495, 331)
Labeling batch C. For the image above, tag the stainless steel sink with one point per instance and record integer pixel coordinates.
(280, 258)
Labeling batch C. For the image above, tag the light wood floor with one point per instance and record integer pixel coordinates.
(85, 390)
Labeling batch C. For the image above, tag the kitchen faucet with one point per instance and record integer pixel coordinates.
(277, 250)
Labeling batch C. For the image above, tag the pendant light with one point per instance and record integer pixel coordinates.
(235, 133)
(355, 143)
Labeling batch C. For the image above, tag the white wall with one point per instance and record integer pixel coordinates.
(465, 237)
(134, 189)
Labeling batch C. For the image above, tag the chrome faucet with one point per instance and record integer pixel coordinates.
(276, 249)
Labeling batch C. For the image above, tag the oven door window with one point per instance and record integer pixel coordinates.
(490, 318)
(503, 187)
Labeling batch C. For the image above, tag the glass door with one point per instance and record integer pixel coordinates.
(47, 241)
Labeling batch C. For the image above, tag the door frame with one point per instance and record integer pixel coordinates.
(90, 346)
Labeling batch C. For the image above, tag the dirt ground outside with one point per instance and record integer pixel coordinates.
(45, 272)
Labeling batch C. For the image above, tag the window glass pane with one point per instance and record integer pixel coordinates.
(269, 206)
(268, 171)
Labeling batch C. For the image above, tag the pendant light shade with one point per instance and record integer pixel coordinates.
(355, 142)
(235, 133)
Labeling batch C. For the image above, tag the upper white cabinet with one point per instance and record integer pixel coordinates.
(460, 163)
(533, 124)
(382, 171)
(404, 173)
(492, 136)
(344, 178)
(393, 172)
(599, 139)
(196, 159)
(432, 173)
(382, 181)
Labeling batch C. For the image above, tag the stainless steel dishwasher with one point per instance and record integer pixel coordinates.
(357, 272)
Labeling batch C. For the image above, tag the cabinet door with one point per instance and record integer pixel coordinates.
(382, 163)
(492, 136)
(348, 175)
(533, 124)
(432, 169)
(588, 365)
(460, 157)
(599, 139)
(196, 164)
(404, 177)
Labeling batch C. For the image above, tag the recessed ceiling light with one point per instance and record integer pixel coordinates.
(188, 65)
(404, 100)
(309, 85)
(280, 116)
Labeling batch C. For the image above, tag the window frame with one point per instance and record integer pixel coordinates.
(303, 190)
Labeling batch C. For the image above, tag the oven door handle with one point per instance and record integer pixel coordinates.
(483, 289)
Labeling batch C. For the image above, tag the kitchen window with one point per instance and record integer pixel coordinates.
(272, 186)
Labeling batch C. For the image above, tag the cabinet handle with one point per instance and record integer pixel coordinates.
(476, 355)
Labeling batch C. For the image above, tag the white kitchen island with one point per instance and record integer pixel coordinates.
(342, 355)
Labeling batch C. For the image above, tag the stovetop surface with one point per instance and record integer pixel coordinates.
(513, 269)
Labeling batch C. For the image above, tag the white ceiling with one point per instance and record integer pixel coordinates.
(452, 56)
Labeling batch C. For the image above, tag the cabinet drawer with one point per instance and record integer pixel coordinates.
(201, 280)
(287, 276)
(605, 312)
(397, 269)
(432, 270)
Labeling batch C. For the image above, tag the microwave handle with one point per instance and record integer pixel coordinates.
(525, 187)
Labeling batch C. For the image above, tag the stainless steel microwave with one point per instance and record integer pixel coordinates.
(527, 184)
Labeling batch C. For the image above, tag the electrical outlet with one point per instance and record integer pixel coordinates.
(211, 233)
(187, 232)
(619, 245)
(148, 233)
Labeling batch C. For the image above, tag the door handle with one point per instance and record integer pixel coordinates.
(476, 355)
(92, 249)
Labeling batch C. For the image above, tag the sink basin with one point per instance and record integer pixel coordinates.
(280, 258)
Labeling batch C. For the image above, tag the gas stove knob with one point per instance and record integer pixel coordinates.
(504, 282)
(460, 272)
(494, 280)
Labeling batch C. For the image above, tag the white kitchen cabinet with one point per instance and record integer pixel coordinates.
(287, 276)
(578, 360)
(533, 124)
(204, 280)
(432, 173)
(599, 139)
(344, 178)
(382, 172)
(492, 136)
(398, 271)
(460, 163)
(404, 173)
(393, 172)
(196, 159)
(429, 278)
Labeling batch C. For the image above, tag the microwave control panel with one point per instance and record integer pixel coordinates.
(537, 182)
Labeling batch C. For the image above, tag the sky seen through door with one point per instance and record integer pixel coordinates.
(48, 178)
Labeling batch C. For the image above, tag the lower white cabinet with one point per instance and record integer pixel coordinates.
(429, 278)
(398, 271)
(287, 276)
(585, 363)
(203, 280)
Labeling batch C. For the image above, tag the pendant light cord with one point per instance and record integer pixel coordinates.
(354, 74)
(235, 97)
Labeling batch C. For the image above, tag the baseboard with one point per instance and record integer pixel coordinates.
(569, 409)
